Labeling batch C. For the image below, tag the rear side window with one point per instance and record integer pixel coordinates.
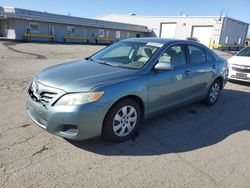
(197, 55)
(209, 57)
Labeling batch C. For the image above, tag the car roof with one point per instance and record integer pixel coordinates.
(150, 39)
(166, 41)
(160, 40)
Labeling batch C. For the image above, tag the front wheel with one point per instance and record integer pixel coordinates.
(122, 120)
(213, 93)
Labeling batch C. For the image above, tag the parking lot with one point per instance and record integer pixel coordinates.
(194, 146)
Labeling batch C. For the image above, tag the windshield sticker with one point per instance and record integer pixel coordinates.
(159, 45)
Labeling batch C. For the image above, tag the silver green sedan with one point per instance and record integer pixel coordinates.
(112, 91)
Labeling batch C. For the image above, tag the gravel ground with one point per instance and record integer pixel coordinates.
(195, 146)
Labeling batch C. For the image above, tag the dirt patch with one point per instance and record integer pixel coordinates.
(10, 45)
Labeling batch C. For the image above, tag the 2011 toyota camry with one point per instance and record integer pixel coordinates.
(112, 91)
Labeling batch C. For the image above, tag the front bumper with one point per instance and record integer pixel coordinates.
(87, 118)
(240, 75)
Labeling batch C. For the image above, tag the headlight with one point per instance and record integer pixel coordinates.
(74, 99)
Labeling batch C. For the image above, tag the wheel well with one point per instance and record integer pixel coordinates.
(220, 79)
(135, 98)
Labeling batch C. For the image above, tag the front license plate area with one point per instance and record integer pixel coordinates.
(241, 75)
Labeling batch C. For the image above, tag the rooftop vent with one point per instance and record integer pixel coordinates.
(132, 14)
(8, 9)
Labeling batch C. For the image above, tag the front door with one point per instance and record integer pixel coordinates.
(169, 88)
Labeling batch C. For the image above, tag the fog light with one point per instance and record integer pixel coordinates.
(70, 129)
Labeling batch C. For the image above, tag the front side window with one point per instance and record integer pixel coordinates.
(34, 28)
(174, 55)
(196, 54)
(244, 52)
(132, 55)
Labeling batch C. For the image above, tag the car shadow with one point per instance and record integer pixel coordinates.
(240, 82)
(189, 128)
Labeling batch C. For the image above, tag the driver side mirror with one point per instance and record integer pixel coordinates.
(160, 66)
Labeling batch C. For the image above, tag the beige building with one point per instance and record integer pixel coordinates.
(213, 31)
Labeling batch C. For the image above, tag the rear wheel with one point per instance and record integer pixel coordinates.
(213, 93)
(122, 120)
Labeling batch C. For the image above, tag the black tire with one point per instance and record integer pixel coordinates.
(108, 131)
(211, 100)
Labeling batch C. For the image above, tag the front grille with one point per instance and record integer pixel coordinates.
(46, 97)
(233, 76)
(44, 94)
(241, 68)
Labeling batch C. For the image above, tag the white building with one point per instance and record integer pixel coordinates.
(213, 31)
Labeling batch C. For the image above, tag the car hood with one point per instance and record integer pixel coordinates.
(239, 60)
(82, 75)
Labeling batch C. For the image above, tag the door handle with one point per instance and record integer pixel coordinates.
(214, 66)
(187, 72)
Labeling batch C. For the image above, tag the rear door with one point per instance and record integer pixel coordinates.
(201, 67)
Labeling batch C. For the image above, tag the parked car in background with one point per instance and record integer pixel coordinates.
(112, 91)
(239, 66)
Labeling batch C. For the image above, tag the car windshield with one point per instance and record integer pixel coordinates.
(244, 52)
(133, 55)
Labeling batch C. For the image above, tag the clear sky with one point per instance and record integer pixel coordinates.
(238, 9)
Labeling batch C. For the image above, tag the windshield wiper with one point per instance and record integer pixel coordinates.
(115, 65)
(106, 63)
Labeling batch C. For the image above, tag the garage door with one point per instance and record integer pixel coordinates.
(168, 30)
(202, 33)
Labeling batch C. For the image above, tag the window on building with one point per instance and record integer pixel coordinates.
(107, 34)
(34, 28)
(118, 34)
(52, 30)
(226, 40)
(128, 34)
(70, 30)
(196, 54)
(239, 41)
(85, 32)
(8, 25)
(138, 35)
(101, 33)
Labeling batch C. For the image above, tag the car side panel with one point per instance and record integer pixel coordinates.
(201, 75)
(168, 88)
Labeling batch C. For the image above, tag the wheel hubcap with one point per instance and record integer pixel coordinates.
(214, 92)
(125, 121)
